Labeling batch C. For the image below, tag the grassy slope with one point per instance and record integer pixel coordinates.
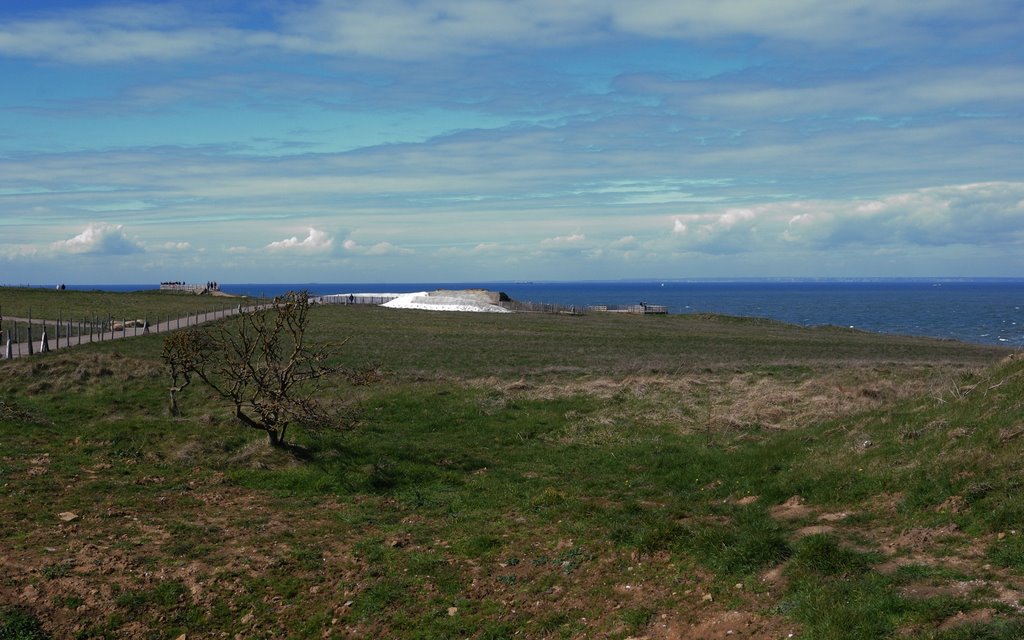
(558, 476)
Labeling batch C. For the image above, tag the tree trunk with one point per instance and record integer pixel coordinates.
(275, 438)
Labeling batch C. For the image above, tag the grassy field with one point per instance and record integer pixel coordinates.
(531, 476)
(20, 302)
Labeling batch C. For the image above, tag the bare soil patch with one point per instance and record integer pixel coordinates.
(723, 624)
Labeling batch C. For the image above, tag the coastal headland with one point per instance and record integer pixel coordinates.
(522, 475)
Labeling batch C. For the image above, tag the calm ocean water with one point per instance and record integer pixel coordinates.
(980, 311)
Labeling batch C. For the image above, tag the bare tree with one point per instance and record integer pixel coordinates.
(261, 362)
(184, 353)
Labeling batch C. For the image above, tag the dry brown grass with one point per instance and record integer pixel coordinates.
(729, 401)
(64, 372)
(601, 430)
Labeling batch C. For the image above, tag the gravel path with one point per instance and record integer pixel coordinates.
(23, 348)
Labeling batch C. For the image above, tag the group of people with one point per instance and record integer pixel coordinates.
(210, 286)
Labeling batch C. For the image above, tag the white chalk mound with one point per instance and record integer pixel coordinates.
(445, 300)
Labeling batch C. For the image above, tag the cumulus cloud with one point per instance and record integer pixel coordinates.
(99, 238)
(316, 241)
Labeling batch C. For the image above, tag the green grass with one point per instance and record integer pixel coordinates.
(18, 624)
(18, 302)
(608, 344)
(515, 474)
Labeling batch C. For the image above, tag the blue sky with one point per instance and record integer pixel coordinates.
(433, 140)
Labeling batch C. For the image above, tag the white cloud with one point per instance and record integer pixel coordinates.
(399, 29)
(563, 241)
(99, 238)
(316, 241)
(174, 246)
(379, 249)
(407, 30)
(92, 42)
(981, 214)
(483, 248)
(875, 97)
(817, 21)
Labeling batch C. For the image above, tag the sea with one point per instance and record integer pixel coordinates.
(984, 311)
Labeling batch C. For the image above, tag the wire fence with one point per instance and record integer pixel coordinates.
(356, 298)
(24, 336)
(541, 307)
(642, 308)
